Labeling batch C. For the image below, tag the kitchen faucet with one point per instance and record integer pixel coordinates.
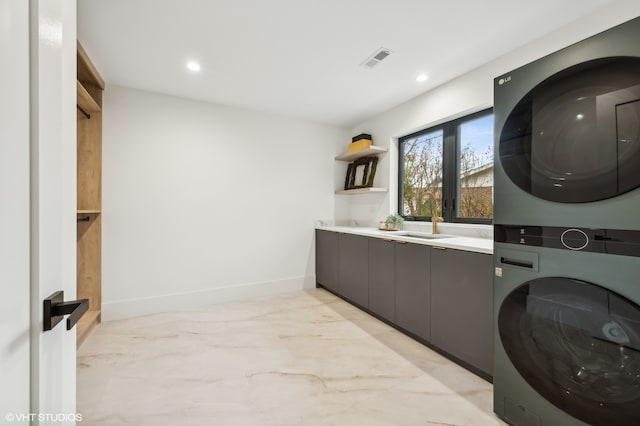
(434, 212)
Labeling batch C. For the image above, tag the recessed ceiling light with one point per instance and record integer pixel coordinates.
(193, 66)
(421, 77)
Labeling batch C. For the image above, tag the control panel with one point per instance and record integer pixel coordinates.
(608, 241)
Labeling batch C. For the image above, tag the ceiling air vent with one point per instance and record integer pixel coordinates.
(375, 58)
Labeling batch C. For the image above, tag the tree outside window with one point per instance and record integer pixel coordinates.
(422, 173)
(475, 168)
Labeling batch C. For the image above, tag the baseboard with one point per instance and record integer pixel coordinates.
(171, 302)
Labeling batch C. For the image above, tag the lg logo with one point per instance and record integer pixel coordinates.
(504, 80)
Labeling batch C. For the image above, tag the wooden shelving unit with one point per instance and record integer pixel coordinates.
(350, 156)
(89, 218)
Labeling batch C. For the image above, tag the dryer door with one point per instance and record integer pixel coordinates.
(578, 345)
(575, 137)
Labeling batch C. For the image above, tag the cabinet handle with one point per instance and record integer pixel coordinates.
(439, 248)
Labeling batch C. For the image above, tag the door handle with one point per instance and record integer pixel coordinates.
(55, 308)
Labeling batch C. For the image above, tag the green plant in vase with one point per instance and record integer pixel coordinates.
(394, 222)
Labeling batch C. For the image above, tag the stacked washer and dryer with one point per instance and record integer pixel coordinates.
(567, 236)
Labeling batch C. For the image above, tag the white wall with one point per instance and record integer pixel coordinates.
(204, 203)
(469, 93)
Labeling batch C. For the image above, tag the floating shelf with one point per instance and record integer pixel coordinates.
(360, 191)
(372, 150)
(88, 212)
(85, 100)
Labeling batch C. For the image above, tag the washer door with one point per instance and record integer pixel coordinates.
(575, 137)
(578, 345)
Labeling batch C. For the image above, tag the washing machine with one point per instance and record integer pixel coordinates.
(567, 235)
(567, 331)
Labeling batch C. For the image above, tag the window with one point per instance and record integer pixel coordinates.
(474, 172)
(450, 165)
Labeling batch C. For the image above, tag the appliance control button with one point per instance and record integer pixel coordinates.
(574, 239)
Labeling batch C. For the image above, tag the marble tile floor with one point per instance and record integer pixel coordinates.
(304, 358)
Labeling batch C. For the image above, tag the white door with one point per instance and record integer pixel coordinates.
(14, 208)
(38, 203)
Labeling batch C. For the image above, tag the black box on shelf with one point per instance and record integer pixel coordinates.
(361, 136)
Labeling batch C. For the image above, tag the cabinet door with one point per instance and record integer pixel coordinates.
(382, 281)
(353, 268)
(462, 306)
(327, 259)
(412, 288)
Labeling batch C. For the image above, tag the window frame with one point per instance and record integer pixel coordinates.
(449, 170)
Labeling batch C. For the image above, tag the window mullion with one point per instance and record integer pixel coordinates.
(449, 172)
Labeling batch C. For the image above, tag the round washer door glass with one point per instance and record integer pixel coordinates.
(575, 137)
(578, 345)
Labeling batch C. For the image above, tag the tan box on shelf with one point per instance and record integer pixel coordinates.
(358, 145)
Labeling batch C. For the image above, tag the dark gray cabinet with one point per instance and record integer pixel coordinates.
(443, 296)
(412, 281)
(327, 259)
(462, 306)
(353, 268)
(382, 280)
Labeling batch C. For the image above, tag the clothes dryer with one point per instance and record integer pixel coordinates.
(567, 131)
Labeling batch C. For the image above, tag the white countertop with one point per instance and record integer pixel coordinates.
(478, 245)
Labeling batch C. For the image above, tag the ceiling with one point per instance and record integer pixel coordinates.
(301, 58)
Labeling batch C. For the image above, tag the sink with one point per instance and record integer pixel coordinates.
(424, 236)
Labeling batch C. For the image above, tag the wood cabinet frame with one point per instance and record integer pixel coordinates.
(90, 86)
